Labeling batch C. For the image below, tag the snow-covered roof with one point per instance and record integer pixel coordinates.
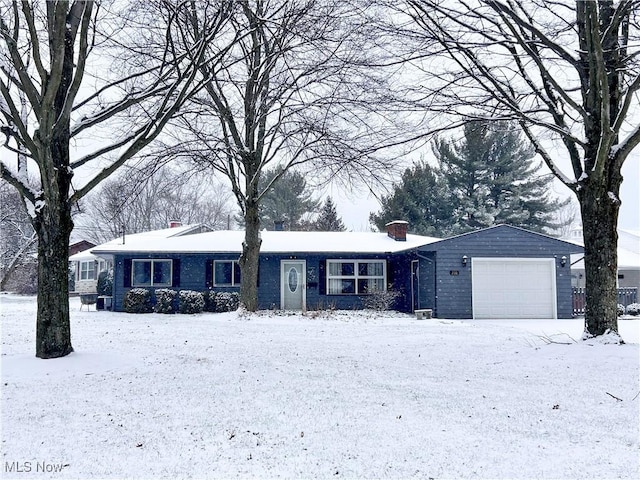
(504, 225)
(143, 238)
(628, 251)
(230, 241)
(82, 256)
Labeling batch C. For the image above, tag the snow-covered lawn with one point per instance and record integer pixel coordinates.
(344, 395)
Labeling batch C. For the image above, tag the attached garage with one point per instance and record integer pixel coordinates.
(513, 288)
(497, 272)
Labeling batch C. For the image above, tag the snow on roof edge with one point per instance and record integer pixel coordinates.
(230, 241)
(515, 228)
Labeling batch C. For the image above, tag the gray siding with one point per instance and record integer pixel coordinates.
(453, 280)
(427, 279)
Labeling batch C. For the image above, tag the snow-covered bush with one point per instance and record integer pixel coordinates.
(620, 309)
(165, 300)
(633, 309)
(209, 297)
(137, 300)
(105, 283)
(191, 301)
(226, 301)
(381, 300)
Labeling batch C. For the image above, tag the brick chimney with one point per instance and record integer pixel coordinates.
(398, 230)
(174, 224)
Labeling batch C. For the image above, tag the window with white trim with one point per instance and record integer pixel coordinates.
(356, 277)
(151, 273)
(103, 265)
(226, 273)
(87, 270)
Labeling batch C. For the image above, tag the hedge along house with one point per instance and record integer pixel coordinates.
(499, 272)
(297, 270)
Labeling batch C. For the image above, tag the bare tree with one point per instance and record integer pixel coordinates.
(143, 199)
(568, 72)
(54, 54)
(566, 216)
(295, 93)
(18, 239)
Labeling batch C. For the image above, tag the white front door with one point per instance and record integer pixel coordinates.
(293, 285)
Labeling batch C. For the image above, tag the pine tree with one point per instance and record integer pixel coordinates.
(328, 220)
(493, 179)
(421, 198)
(286, 200)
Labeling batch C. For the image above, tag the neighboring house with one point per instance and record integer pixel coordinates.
(498, 272)
(81, 260)
(80, 246)
(86, 266)
(628, 260)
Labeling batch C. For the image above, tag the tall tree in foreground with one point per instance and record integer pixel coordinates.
(294, 94)
(57, 56)
(568, 72)
(493, 179)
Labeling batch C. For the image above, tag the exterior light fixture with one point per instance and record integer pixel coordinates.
(465, 259)
(563, 261)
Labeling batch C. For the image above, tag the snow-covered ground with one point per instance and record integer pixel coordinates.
(346, 395)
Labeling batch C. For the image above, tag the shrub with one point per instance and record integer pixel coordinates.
(209, 297)
(226, 301)
(191, 302)
(165, 299)
(633, 309)
(620, 309)
(105, 283)
(137, 300)
(381, 300)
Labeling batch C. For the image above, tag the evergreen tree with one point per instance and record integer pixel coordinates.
(286, 199)
(328, 220)
(422, 199)
(492, 179)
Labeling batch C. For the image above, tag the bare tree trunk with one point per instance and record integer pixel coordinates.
(249, 260)
(599, 221)
(53, 334)
(53, 225)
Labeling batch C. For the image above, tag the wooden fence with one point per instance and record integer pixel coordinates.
(626, 296)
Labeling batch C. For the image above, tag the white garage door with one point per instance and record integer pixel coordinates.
(514, 288)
